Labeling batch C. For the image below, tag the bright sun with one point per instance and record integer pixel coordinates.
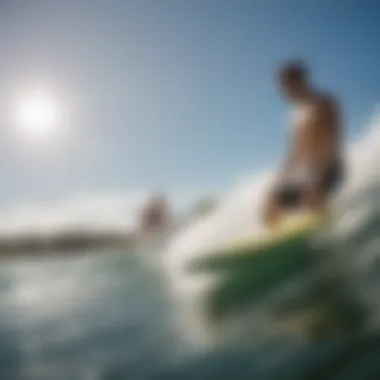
(37, 116)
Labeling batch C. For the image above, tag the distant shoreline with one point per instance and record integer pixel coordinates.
(63, 243)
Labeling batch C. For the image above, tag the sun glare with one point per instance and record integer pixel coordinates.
(37, 116)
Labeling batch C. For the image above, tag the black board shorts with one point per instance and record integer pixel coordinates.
(289, 195)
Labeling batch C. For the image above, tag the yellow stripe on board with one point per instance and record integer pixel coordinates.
(291, 225)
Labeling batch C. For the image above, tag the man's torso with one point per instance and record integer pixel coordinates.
(315, 135)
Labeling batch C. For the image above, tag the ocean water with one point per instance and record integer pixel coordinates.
(101, 315)
(107, 315)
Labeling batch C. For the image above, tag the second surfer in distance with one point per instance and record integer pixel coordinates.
(313, 167)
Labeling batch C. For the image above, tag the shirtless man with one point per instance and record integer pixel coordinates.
(313, 168)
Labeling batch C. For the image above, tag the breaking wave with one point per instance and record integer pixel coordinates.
(356, 222)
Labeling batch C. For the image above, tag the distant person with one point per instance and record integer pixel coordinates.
(313, 168)
(155, 216)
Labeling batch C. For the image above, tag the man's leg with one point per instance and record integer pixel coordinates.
(315, 196)
(315, 199)
(281, 199)
(272, 211)
(325, 184)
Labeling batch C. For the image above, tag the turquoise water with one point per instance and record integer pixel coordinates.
(107, 316)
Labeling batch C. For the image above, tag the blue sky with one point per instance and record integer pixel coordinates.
(171, 94)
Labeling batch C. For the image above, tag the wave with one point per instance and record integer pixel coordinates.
(356, 221)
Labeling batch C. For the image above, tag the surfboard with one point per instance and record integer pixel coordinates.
(290, 235)
(250, 267)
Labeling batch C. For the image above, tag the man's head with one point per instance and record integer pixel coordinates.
(293, 78)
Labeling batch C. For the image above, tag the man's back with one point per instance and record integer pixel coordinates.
(316, 129)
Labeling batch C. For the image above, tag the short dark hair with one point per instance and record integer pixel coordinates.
(295, 71)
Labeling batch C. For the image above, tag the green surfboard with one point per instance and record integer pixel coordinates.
(249, 268)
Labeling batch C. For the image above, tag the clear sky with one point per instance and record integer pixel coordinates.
(171, 94)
